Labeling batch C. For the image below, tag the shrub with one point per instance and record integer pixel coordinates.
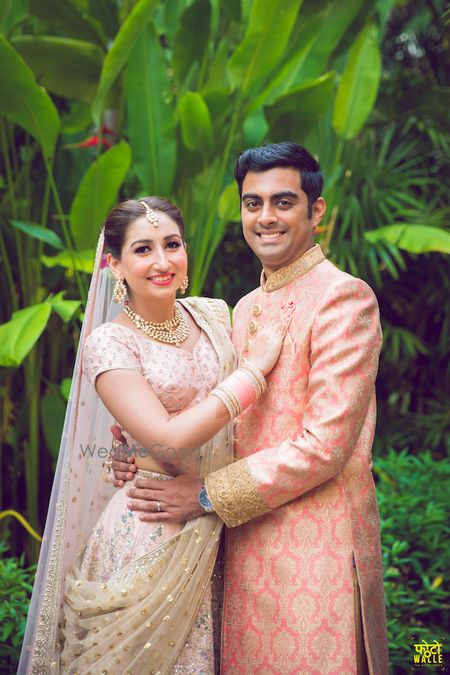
(413, 496)
(16, 584)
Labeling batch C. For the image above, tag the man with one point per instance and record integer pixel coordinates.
(303, 576)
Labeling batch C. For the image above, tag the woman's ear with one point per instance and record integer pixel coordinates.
(113, 264)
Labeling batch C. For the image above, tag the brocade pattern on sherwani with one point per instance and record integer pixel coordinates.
(300, 498)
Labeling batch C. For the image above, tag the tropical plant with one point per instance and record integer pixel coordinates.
(141, 97)
(16, 584)
(414, 535)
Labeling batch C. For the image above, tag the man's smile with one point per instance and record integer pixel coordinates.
(270, 236)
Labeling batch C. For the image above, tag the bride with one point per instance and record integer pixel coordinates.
(114, 594)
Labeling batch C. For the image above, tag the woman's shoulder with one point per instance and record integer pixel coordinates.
(108, 347)
(109, 333)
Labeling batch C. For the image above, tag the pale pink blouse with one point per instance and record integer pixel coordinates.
(178, 378)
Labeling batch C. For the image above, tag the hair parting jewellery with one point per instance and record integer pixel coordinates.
(150, 214)
(173, 331)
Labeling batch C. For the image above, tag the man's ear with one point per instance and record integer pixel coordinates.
(318, 210)
(113, 264)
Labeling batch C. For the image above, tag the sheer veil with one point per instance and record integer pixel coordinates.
(157, 587)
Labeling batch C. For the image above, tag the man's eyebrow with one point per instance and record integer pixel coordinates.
(285, 193)
(150, 241)
(274, 197)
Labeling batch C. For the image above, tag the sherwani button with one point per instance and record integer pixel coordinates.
(252, 327)
(257, 310)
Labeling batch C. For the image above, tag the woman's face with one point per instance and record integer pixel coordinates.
(153, 260)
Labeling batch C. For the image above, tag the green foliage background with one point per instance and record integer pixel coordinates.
(101, 101)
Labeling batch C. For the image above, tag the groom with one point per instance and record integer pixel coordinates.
(303, 576)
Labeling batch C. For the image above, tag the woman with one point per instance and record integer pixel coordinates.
(113, 594)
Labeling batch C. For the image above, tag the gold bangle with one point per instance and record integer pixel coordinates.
(225, 401)
(252, 379)
(256, 374)
(232, 398)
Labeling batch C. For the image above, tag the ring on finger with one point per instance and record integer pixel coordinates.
(158, 506)
(108, 465)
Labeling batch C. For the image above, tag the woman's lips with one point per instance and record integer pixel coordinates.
(162, 279)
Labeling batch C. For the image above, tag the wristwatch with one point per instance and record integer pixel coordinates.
(204, 500)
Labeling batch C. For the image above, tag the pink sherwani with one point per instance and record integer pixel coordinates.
(300, 497)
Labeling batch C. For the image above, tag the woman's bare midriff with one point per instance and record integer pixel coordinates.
(150, 464)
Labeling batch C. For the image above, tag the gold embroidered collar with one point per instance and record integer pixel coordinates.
(295, 270)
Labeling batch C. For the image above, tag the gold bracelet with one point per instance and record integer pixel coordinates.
(256, 374)
(256, 384)
(220, 394)
(233, 399)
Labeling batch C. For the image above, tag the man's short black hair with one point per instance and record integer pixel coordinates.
(284, 154)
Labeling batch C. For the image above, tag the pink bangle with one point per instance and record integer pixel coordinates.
(240, 389)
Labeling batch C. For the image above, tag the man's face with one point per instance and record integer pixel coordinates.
(274, 211)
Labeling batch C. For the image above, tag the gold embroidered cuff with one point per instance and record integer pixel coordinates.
(234, 495)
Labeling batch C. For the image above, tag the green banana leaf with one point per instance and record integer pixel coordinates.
(289, 75)
(38, 232)
(84, 260)
(97, 193)
(12, 12)
(23, 102)
(151, 116)
(117, 57)
(338, 18)
(67, 20)
(64, 308)
(296, 113)
(229, 208)
(269, 27)
(412, 238)
(358, 87)
(191, 40)
(63, 66)
(195, 122)
(19, 335)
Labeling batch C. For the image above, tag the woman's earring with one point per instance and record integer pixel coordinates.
(120, 290)
(184, 285)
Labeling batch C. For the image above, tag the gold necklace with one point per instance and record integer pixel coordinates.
(173, 331)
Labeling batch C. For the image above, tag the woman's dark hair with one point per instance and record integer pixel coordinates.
(121, 216)
(286, 154)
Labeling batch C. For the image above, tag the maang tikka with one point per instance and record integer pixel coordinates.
(150, 214)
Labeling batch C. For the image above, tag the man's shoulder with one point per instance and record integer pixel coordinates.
(329, 280)
(246, 301)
